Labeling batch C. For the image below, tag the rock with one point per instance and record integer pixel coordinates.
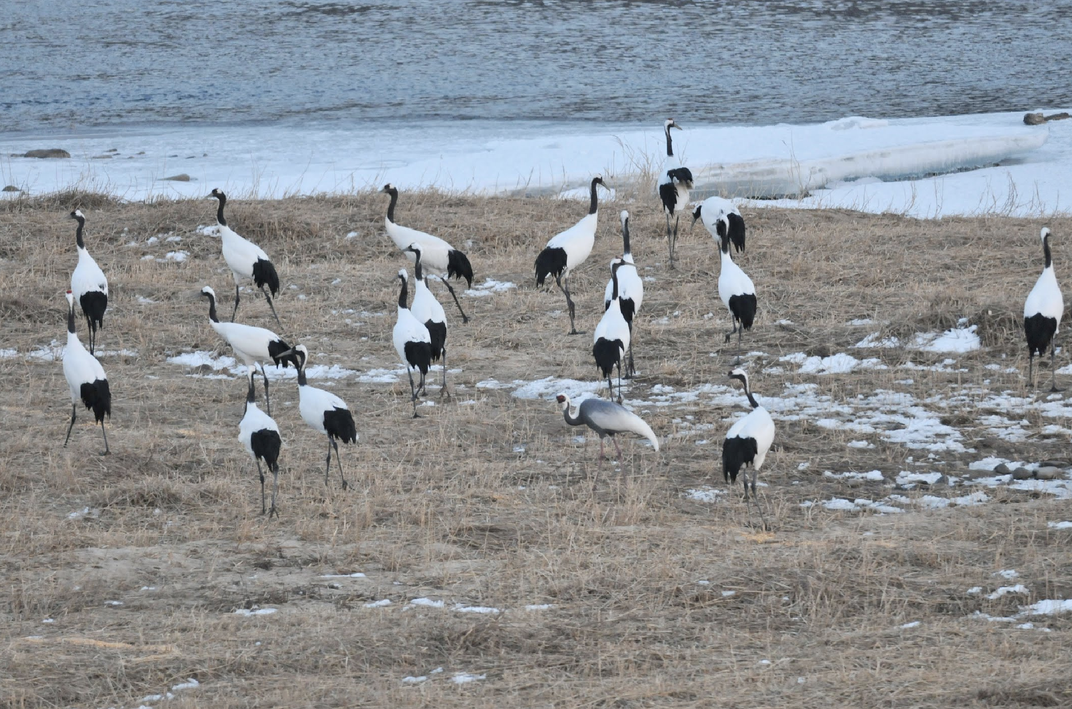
(1049, 472)
(943, 480)
(46, 153)
(1034, 119)
(1055, 464)
(181, 177)
(1021, 474)
(101, 157)
(1058, 116)
(11, 188)
(1002, 469)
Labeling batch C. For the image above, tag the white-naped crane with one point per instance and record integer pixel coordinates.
(611, 339)
(259, 433)
(251, 345)
(85, 378)
(246, 260)
(427, 310)
(630, 290)
(719, 213)
(1042, 314)
(440, 258)
(675, 181)
(324, 412)
(568, 249)
(412, 341)
(736, 290)
(607, 419)
(747, 442)
(89, 284)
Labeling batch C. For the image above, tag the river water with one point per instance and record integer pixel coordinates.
(109, 63)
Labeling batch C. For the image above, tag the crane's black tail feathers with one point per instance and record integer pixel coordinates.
(264, 275)
(96, 395)
(737, 231)
(277, 348)
(339, 423)
(628, 308)
(266, 444)
(458, 266)
(736, 453)
(93, 304)
(438, 332)
(550, 262)
(419, 355)
(682, 175)
(743, 308)
(1040, 331)
(607, 354)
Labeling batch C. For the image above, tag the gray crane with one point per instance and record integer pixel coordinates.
(607, 419)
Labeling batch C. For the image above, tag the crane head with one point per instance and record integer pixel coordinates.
(70, 299)
(740, 375)
(402, 275)
(696, 214)
(208, 292)
(1044, 233)
(669, 123)
(77, 214)
(389, 189)
(624, 217)
(217, 193)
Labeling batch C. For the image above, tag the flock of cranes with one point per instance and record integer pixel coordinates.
(420, 331)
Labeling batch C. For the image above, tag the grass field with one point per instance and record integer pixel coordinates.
(478, 549)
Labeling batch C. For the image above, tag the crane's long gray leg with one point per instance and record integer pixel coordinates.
(267, 400)
(264, 289)
(621, 462)
(261, 474)
(105, 434)
(338, 459)
(755, 499)
(275, 489)
(740, 332)
(669, 239)
(619, 383)
(74, 414)
(412, 391)
(237, 298)
(569, 302)
(421, 384)
(1030, 368)
(327, 471)
(630, 370)
(465, 318)
(443, 390)
(1053, 364)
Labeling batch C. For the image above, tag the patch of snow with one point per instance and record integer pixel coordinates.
(260, 611)
(1004, 590)
(961, 339)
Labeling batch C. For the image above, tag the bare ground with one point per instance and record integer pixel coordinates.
(489, 501)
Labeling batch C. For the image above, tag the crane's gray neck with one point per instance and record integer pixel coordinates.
(669, 144)
(219, 210)
(403, 294)
(594, 206)
(1045, 250)
(571, 420)
(212, 308)
(391, 207)
(70, 319)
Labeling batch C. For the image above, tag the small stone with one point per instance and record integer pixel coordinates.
(943, 480)
(1001, 469)
(46, 153)
(1049, 472)
(11, 188)
(1021, 474)
(181, 177)
(1034, 119)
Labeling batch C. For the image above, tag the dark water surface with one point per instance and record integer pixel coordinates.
(107, 62)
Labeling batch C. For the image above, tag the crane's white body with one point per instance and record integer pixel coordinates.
(79, 367)
(435, 252)
(577, 241)
(681, 200)
(758, 425)
(87, 276)
(239, 253)
(732, 281)
(249, 343)
(612, 326)
(313, 403)
(425, 306)
(1045, 298)
(254, 420)
(408, 329)
(712, 210)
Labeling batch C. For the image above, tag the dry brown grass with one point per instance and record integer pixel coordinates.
(444, 508)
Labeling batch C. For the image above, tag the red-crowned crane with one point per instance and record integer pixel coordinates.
(89, 285)
(712, 211)
(260, 435)
(611, 339)
(252, 345)
(427, 310)
(246, 260)
(412, 342)
(440, 258)
(324, 412)
(85, 378)
(630, 290)
(568, 249)
(747, 442)
(607, 419)
(736, 290)
(675, 181)
(1042, 314)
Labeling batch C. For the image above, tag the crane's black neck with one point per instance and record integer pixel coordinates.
(614, 280)
(594, 206)
(219, 210)
(723, 236)
(625, 238)
(391, 207)
(212, 307)
(78, 232)
(251, 394)
(1046, 250)
(418, 274)
(751, 399)
(70, 319)
(403, 293)
(669, 144)
(301, 374)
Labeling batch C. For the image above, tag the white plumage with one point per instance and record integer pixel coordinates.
(630, 289)
(1043, 309)
(412, 342)
(89, 284)
(247, 261)
(428, 310)
(736, 290)
(251, 345)
(748, 441)
(719, 214)
(569, 249)
(439, 258)
(259, 433)
(675, 181)
(607, 418)
(324, 412)
(611, 339)
(85, 379)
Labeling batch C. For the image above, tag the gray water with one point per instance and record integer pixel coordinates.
(111, 62)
